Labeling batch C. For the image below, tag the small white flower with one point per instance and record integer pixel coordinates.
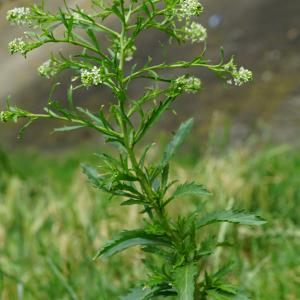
(17, 46)
(19, 16)
(188, 84)
(91, 76)
(49, 68)
(196, 33)
(239, 76)
(242, 76)
(190, 8)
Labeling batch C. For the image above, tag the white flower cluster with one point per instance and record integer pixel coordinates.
(17, 46)
(49, 68)
(91, 76)
(188, 84)
(190, 8)
(240, 76)
(196, 33)
(19, 16)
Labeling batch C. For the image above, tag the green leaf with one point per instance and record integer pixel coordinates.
(70, 97)
(93, 38)
(68, 128)
(130, 238)
(190, 188)
(93, 176)
(153, 116)
(185, 281)
(90, 115)
(215, 294)
(176, 141)
(230, 216)
(139, 293)
(132, 202)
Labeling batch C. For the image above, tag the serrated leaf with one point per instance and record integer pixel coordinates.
(185, 281)
(231, 216)
(130, 238)
(190, 188)
(176, 141)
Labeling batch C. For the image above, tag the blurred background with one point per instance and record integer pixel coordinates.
(244, 147)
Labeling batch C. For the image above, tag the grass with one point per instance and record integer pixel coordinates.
(52, 223)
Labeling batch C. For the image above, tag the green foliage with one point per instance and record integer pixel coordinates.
(190, 188)
(138, 294)
(185, 281)
(174, 243)
(176, 141)
(131, 238)
(230, 216)
(48, 211)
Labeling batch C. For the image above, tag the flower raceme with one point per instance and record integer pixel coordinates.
(192, 31)
(49, 68)
(190, 8)
(19, 16)
(188, 84)
(91, 77)
(196, 33)
(17, 46)
(242, 76)
(239, 76)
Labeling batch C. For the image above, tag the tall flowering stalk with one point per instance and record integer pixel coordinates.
(174, 248)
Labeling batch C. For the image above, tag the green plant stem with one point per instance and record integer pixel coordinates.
(163, 66)
(76, 43)
(144, 183)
